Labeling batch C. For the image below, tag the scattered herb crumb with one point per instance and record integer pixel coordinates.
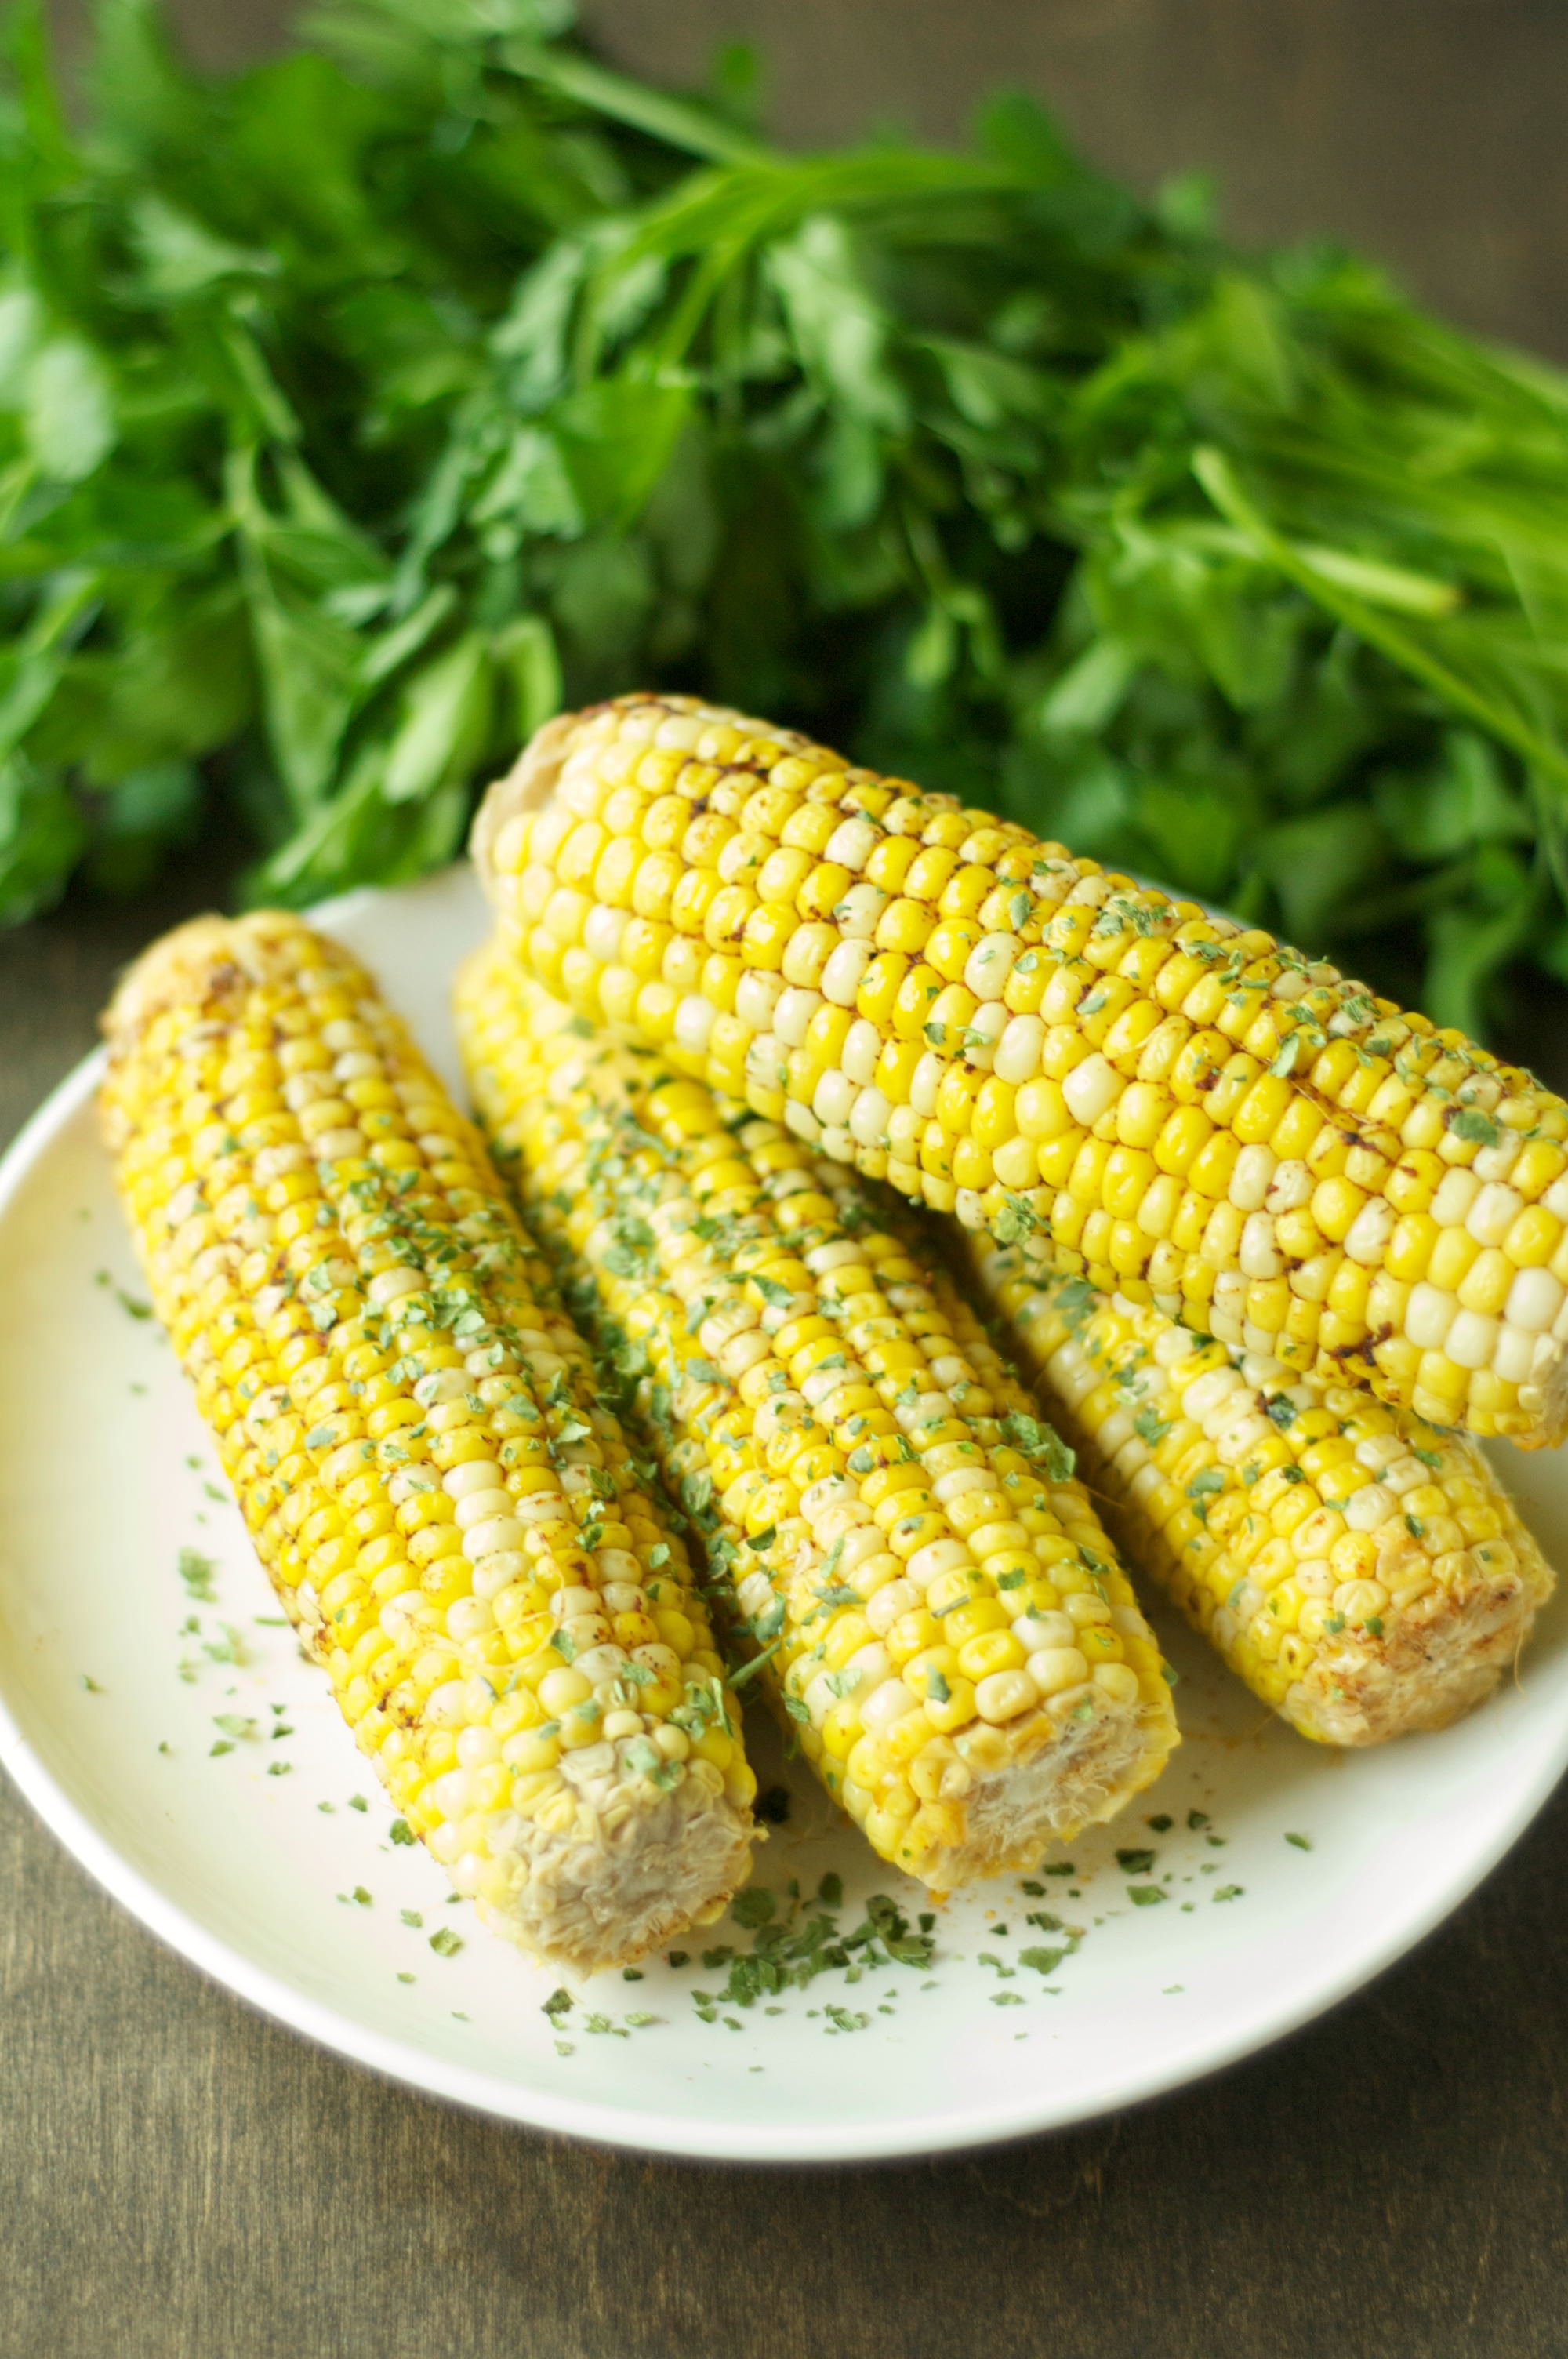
(198, 1573)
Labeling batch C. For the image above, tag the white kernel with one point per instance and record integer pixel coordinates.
(937, 1557)
(990, 964)
(1428, 1314)
(1227, 1308)
(477, 1748)
(1513, 1356)
(1018, 1052)
(843, 974)
(948, 1488)
(1091, 1089)
(1206, 1393)
(474, 1474)
(499, 1532)
(823, 1691)
(1450, 1206)
(601, 1663)
(499, 1571)
(1367, 1239)
(479, 1506)
(1472, 1339)
(1052, 1668)
(793, 1014)
(856, 914)
(851, 843)
(897, 1597)
(1035, 1631)
(1250, 1182)
(1535, 1298)
(1556, 1198)
(452, 1792)
(695, 1020)
(833, 1100)
(602, 931)
(1257, 1254)
(1004, 1695)
(884, 1705)
(1290, 1187)
(1493, 1213)
(468, 1617)
(1497, 1162)
(754, 1593)
(1370, 1507)
(802, 1122)
(871, 1663)
(869, 1118)
(757, 994)
(832, 1491)
(982, 1033)
(924, 1083)
(862, 1047)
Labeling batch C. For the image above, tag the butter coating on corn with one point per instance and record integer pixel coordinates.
(1128, 1089)
(1365, 1574)
(931, 1597)
(412, 1428)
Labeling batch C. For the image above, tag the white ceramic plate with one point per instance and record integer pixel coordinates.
(1325, 1867)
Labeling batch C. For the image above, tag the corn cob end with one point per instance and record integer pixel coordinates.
(1365, 1573)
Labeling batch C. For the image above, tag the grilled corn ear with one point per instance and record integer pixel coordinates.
(927, 1593)
(1129, 1090)
(412, 1428)
(1365, 1574)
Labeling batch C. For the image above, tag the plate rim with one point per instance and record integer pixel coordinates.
(623, 2127)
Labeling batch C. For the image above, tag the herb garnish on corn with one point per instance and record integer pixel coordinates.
(927, 1591)
(412, 1428)
(1125, 1087)
(1365, 1574)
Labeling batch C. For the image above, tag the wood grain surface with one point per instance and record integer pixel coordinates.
(181, 2178)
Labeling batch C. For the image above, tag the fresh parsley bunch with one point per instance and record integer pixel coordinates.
(357, 409)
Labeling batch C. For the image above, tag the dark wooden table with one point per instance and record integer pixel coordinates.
(181, 2180)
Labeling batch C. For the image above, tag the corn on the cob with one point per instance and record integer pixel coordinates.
(941, 1614)
(1363, 1572)
(410, 1423)
(1128, 1089)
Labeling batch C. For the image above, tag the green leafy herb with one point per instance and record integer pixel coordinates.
(358, 408)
